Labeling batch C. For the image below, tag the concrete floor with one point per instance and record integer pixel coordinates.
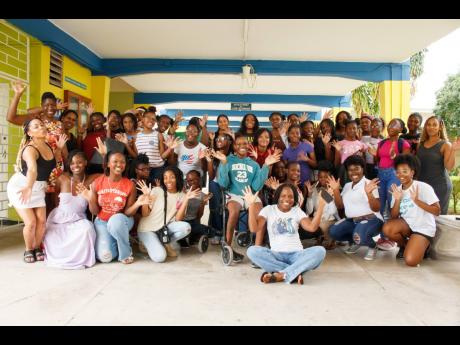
(196, 289)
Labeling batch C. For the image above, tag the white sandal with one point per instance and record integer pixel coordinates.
(128, 260)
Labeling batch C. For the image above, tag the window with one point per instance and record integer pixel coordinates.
(55, 69)
(79, 104)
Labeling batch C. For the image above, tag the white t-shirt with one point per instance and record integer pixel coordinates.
(355, 200)
(418, 219)
(283, 228)
(188, 158)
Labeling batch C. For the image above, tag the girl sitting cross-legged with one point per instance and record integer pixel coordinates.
(286, 260)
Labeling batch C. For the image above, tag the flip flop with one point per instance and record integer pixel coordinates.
(272, 277)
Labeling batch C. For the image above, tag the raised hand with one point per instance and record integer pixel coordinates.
(414, 193)
(252, 151)
(248, 197)
(122, 137)
(372, 151)
(101, 147)
(192, 194)
(82, 130)
(207, 197)
(142, 186)
(25, 194)
(328, 114)
(145, 199)
(61, 105)
(83, 191)
(337, 145)
(208, 154)
(371, 186)
(326, 138)
(396, 192)
(211, 136)
(316, 130)
(272, 183)
(284, 127)
(90, 109)
(172, 142)
(18, 87)
(204, 120)
(455, 145)
(309, 187)
(62, 139)
(220, 156)
(201, 153)
(272, 158)
(304, 117)
(157, 182)
(179, 117)
(333, 183)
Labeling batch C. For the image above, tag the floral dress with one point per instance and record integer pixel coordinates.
(54, 130)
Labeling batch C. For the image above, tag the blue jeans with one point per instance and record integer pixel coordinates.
(290, 263)
(112, 237)
(155, 249)
(360, 233)
(387, 177)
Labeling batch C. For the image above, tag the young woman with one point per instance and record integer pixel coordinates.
(69, 118)
(286, 260)
(385, 154)
(249, 126)
(372, 142)
(223, 126)
(129, 126)
(277, 121)
(413, 210)
(45, 113)
(299, 152)
(70, 236)
(330, 214)
(323, 142)
(263, 146)
(414, 125)
(365, 126)
(168, 202)
(437, 157)
(26, 188)
(360, 199)
(340, 124)
(112, 197)
(190, 154)
(94, 132)
(307, 130)
(236, 172)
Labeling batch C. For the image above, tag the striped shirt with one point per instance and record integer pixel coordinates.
(149, 144)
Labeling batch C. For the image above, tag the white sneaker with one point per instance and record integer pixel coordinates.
(352, 249)
(371, 254)
(215, 240)
(384, 244)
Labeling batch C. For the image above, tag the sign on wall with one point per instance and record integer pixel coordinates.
(240, 106)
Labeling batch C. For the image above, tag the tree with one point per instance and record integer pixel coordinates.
(448, 104)
(366, 97)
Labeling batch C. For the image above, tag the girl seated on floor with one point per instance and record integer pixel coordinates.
(360, 199)
(286, 260)
(413, 207)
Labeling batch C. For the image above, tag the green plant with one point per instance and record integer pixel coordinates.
(455, 191)
(448, 104)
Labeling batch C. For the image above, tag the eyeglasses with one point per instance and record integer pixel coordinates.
(221, 139)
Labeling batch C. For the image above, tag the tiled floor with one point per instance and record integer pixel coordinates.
(196, 289)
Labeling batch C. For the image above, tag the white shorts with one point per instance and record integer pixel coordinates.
(240, 200)
(19, 181)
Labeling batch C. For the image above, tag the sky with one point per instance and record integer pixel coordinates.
(441, 60)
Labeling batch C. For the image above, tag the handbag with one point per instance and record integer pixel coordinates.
(163, 233)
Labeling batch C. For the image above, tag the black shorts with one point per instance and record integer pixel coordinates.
(429, 238)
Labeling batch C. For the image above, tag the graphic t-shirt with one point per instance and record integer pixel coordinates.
(283, 228)
(111, 196)
(418, 219)
(188, 158)
(148, 143)
(350, 147)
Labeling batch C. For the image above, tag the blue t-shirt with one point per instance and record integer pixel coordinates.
(291, 154)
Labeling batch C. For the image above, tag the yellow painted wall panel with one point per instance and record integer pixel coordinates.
(100, 95)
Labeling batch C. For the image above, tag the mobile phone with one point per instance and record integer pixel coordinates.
(326, 196)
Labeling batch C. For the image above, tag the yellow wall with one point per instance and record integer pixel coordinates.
(121, 101)
(394, 100)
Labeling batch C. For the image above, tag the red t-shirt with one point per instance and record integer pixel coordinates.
(89, 143)
(111, 196)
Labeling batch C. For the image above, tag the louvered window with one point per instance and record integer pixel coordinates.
(56, 69)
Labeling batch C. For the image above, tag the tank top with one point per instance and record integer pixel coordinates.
(44, 167)
(432, 170)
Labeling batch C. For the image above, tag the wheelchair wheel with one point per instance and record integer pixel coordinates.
(227, 255)
(203, 244)
(243, 239)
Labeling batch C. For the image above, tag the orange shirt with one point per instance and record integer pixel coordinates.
(111, 196)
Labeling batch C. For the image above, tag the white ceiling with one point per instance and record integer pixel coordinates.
(234, 84)
(359, 40)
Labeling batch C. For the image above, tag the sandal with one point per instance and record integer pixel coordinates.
(300, 279)
(29, 256)
(128, 260)
(329, 244)
(39, 254)
(272, 277)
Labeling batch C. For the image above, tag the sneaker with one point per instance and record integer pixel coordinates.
(215, 240)
(170, 251)
(352, 249)
(400, 254)
(371, 254)
(237, 257)
(385, 244)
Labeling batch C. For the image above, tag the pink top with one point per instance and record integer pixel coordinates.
(350, 148)
(384, 153)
